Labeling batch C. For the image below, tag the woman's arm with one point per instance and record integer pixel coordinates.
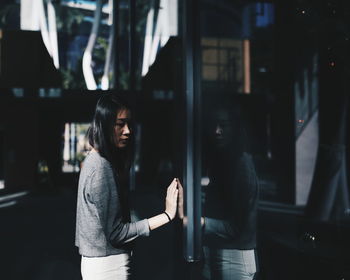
(228, 228)
(118, 232)
(106, 209)
(170, 207)
(123, 232)
(244, 206)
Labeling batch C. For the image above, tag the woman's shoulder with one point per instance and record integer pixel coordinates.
(246, 161)
(246, 158)
(94, 161)
(96, 173)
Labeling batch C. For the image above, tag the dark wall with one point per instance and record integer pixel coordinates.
(33, 130)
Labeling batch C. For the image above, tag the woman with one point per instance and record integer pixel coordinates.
(103, 228)
(229, 200)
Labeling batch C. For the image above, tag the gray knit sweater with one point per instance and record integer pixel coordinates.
(100, 230)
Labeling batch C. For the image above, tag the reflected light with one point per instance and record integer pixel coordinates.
(8, 204)
(52, 28)
(6, 198)
(246, 66)
(205, 181)
(156, 37)
(87, 57)
(148, 42)
(87, 71)
(105, 82)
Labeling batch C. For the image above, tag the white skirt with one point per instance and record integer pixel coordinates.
(114, 267)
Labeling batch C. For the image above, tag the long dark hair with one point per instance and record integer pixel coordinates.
(101, 132)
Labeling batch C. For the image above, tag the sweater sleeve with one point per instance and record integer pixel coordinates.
(116, 231)
(219, 227)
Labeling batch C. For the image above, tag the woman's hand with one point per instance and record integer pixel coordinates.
(180, 202)
(171, 199)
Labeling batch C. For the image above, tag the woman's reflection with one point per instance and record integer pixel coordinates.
(230, 196)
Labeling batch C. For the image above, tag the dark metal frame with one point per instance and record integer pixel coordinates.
(192, 153)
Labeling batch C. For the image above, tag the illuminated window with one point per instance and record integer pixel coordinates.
(222, 61)
(75, 146)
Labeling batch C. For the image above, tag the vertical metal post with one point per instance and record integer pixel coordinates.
(192, 165)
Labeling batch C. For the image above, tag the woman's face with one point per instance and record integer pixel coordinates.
(221, 130)
(122, 129)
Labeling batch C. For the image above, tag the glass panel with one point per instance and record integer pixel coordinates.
(237, 59)
(274, 122)
(84, 37)
(91, 41)
(236, 157)
(77, 36)
(156, 24)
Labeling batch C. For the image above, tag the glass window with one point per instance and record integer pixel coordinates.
(77, 35)
(93, 44)
(237, 58)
